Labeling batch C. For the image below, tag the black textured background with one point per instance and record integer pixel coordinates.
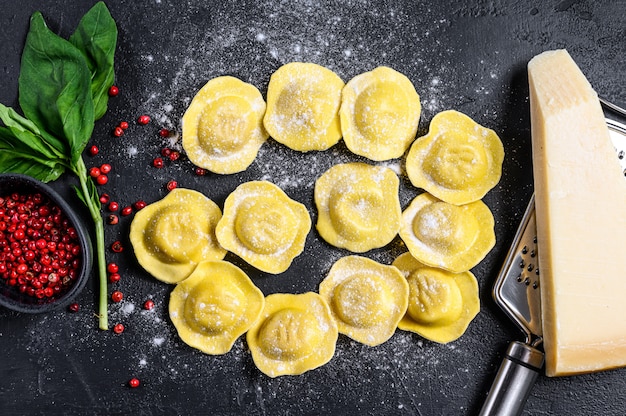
(468, 57)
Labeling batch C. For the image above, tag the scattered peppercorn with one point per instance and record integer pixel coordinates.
(113, 268)
(93, 150)
(112, 219)
(157, 163)
(139, 205)
(174, 155)
(113, 206)
(126, 211)
(102, 179)
(166, 151)
(94, 172)
(143, 120)
(114, 277)
(123, 125)
(134, 382)
(113, 91)
(104, 198)
(171, 185)
(74, 307)
(105, 168)
(118, 131)
(117, 247)
(199, 171)
(148, 305)
(117, 296)
(118, 328)
(164, 133)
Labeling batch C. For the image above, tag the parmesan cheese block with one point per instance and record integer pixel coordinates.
(581, 223)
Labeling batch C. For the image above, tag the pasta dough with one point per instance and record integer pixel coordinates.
(263, 226)
(215, 305)
(358, 206)
(294, 334)
(458, 161)
(367, 299)
(171, 236)
(448, 236)
(303, 106)
(441, 303)
(380, 112)
(223, 126)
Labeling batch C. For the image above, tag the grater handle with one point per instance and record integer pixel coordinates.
(514, 381)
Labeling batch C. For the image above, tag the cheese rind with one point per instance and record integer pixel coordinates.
(580, 197)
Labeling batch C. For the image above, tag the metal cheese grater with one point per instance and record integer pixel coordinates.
(516, 291)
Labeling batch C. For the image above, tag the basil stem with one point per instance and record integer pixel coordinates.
(86, 189)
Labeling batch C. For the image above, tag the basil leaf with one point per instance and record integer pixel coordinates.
(79, 193)
(16, 157)
(55, 88)
(93, 197)
(96, 38)
(28, 133)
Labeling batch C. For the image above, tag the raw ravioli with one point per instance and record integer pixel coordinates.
(441, 303)
(380, 112)
(295, 334)
(367, 299)
(358, 206)
(171, 236)
(223, 126)
(214, 306)
(452, 237)
(458, 161)
(263, 226)
(303, 106)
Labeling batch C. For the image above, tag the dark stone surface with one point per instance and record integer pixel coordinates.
(471, 58)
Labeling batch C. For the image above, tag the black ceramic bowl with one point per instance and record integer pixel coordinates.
(10, 295)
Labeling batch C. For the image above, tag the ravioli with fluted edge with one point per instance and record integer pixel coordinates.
(458, 161)
(452, 237)
(441, 303)
(263, 226)
(303, 106)
(358, 206)
(380, 112)
(366, 298)
(223, 126)
(294, 334)
(171, 236)
(214, 306)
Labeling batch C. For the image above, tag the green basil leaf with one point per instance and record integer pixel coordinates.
(29, 134)
(96, 38)
(20, 159)
(79, 193)
(55, 88)
(93, 196)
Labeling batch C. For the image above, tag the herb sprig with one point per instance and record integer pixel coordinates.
(63, 87)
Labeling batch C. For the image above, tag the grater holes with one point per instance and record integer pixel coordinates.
(528, 270)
